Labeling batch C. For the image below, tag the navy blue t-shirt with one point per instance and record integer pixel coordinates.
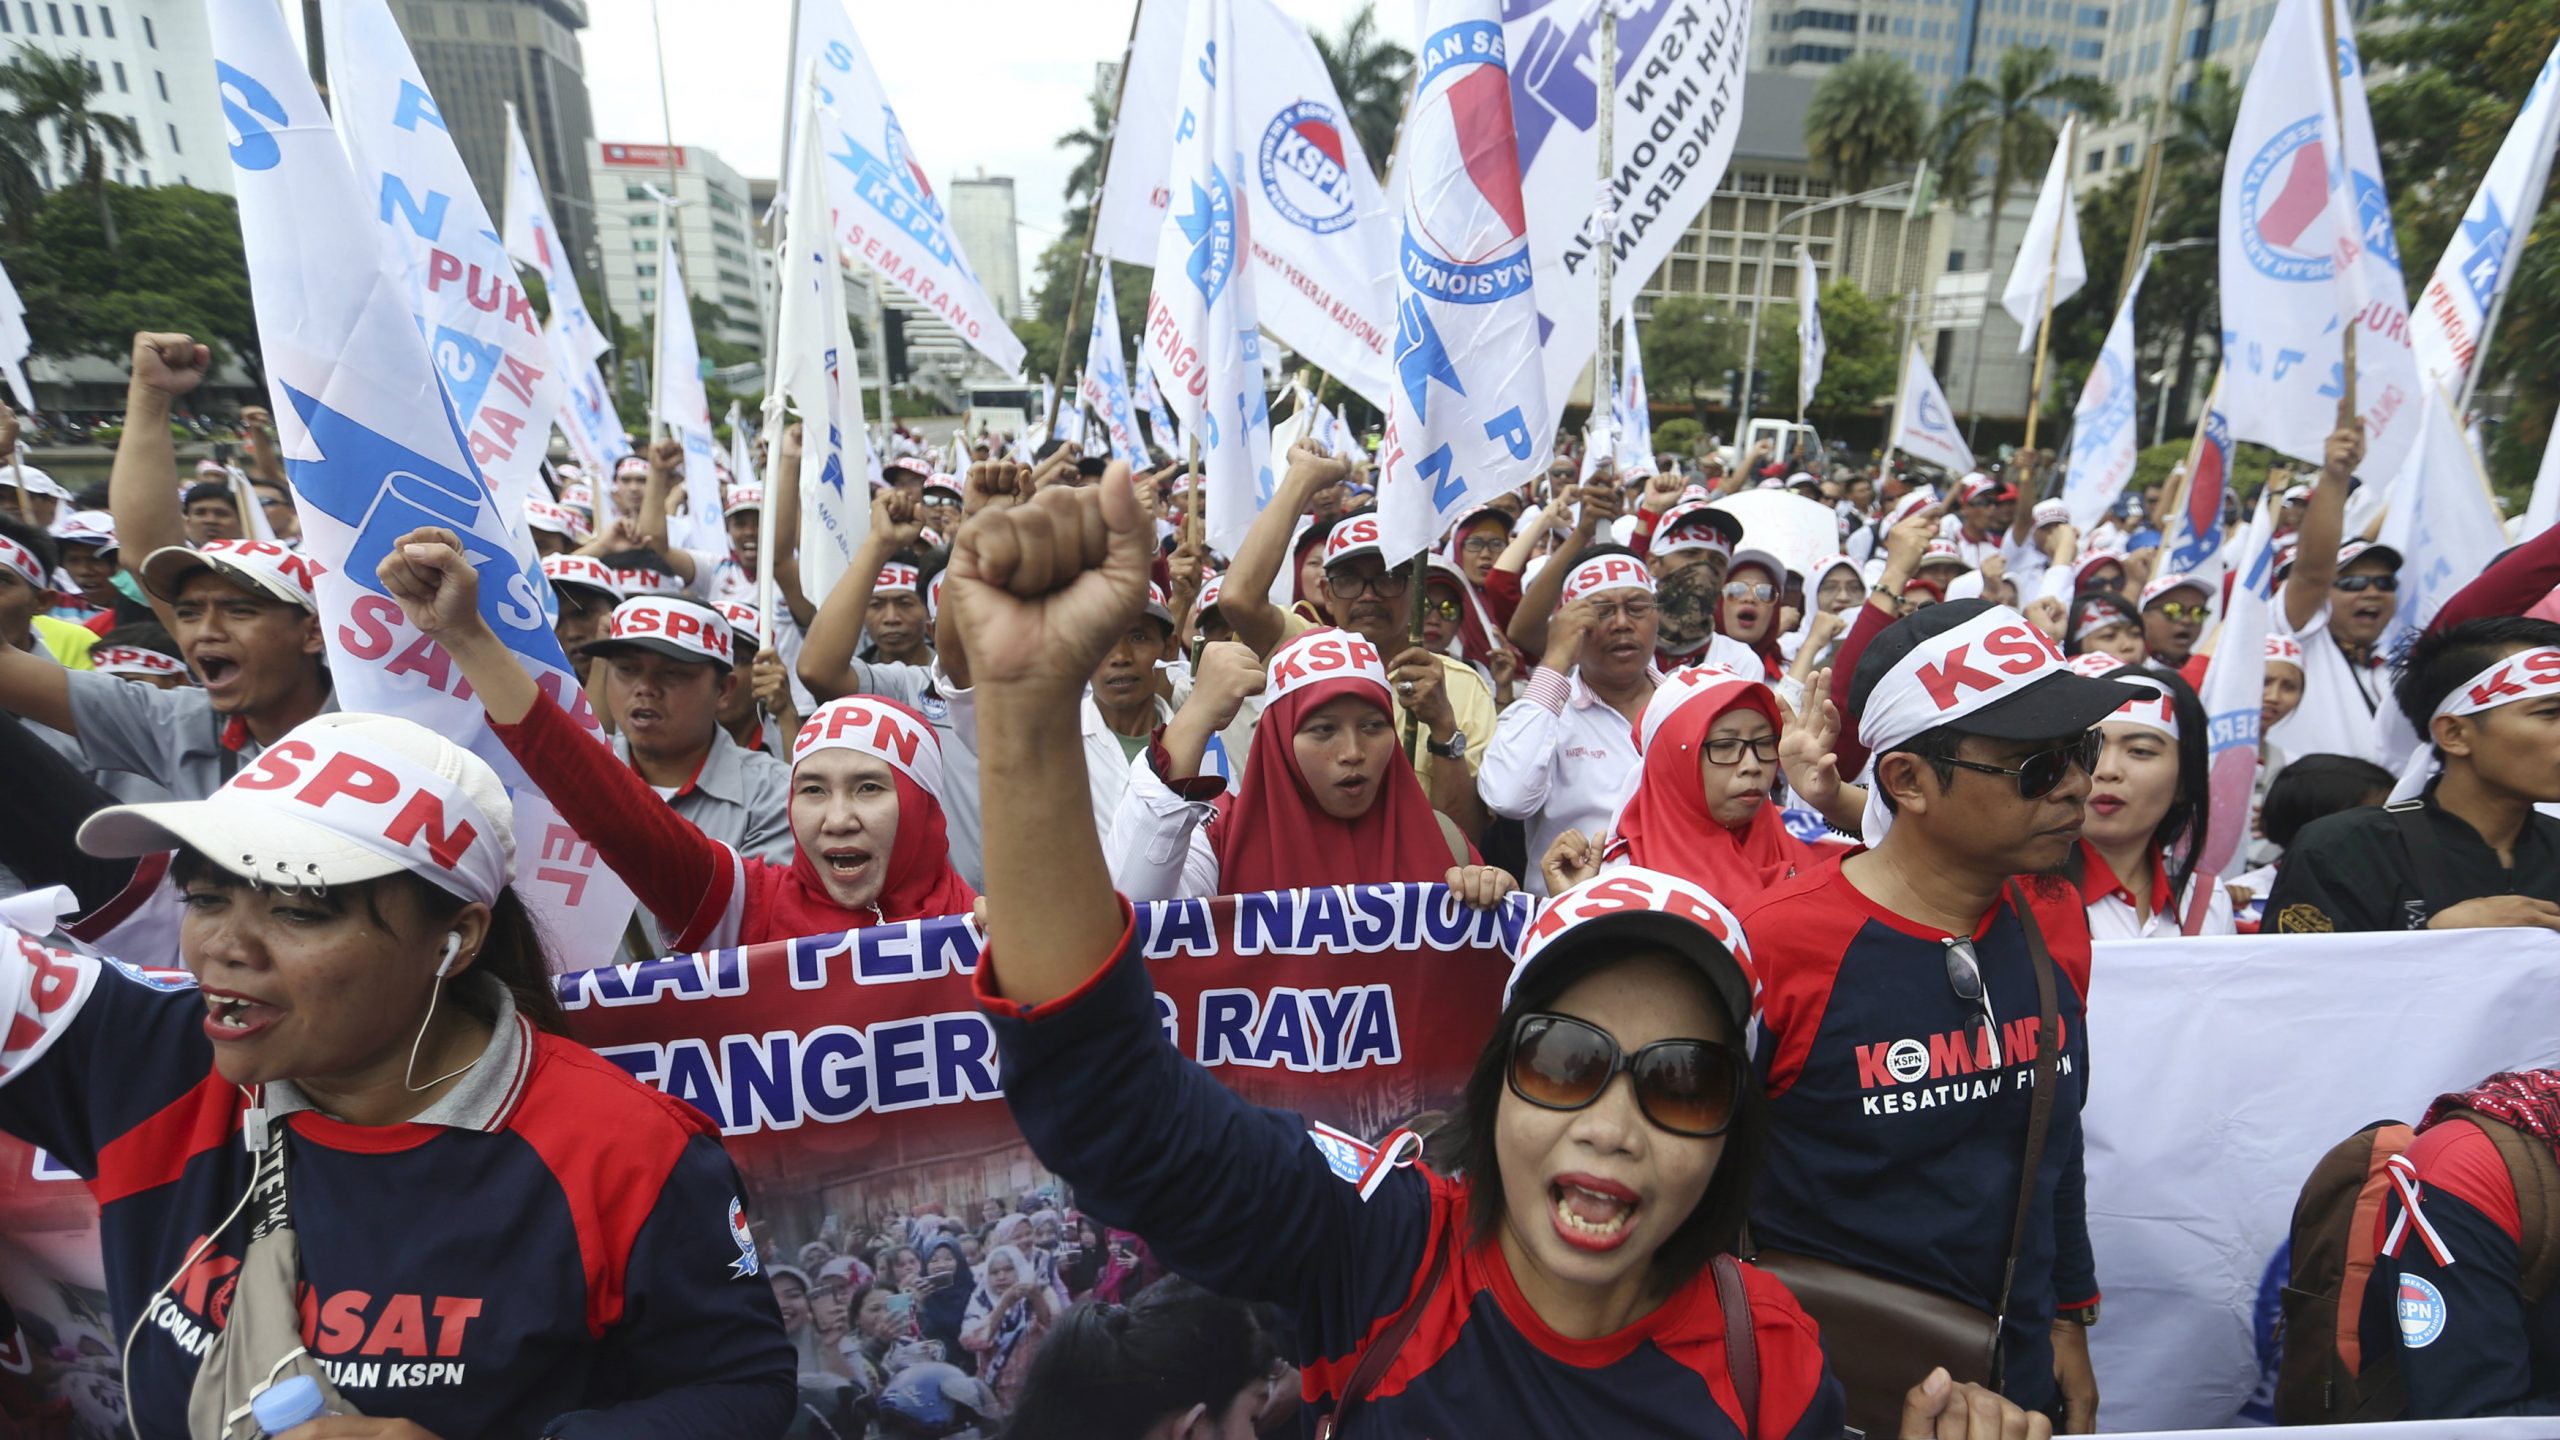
(2450, 1299)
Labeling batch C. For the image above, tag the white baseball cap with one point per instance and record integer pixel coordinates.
(543, 515)
(583, 570)
(35, 481)
(261, 566)
(669, 625)
(88, 527)
(742, 498)
(1630, 908)
(341, 798)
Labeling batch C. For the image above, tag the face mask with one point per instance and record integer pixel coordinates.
(1687, 604)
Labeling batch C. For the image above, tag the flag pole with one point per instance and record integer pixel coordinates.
(2174, 498)
(669, 249)
(2044, 328)
(1418, 582)
(2347, 410)
(1093, 212)
(1604, 361)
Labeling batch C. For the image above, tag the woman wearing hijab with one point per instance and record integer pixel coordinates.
(943, 1310)
(1747, 611)
(866, 792)
(1015, 1304)
(2149, 805)
(1327, 797)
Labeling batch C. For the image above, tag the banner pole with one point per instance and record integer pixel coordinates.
(2044, 329)
(2347, 410)
(1418, 583)
(1604, 360)
(1093, 214)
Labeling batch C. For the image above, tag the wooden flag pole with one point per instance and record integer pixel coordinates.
(1419, 583)
(1093, 217)
(2044, 328)
(2338, 107)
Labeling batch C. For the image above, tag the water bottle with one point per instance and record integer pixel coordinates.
(287, 1403)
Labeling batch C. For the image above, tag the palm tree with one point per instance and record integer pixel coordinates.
(55, 90)
(2193, 140)
(1371, 74)
(2003, 121)
(20, 191)
(1866, 118)
(1092, 143)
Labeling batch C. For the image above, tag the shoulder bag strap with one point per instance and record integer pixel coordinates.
(1382, 1351)
(2039, 1111)
(1741, 1346)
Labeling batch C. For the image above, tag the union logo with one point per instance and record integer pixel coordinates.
(1305, 174)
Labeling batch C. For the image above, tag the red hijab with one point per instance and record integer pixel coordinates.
(1268, 835)
(1666, 825)
(921, 882)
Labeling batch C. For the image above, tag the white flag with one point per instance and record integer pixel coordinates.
(535, 240)
(14, 342)
(2106, 433)
(885, 208)
(2446, 329)
(1203, 335)
(373, 450)
(2445, 526)
(1924, 427)
(1105, 382)
(2234, 680)
(1160, 426)
(2050, 253)
(2544, 508)
(587, 416)
(1679, 108)
(2305, 246)
(480, 326)
(816, 370)
(1468, 415)
(683, 408)
(1635, 409)
(1323, 237)
(1809, 346)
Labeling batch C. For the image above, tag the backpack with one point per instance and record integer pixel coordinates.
(2323, 1376)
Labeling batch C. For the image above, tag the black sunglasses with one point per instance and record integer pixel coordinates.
(2387, 584)
(2039, 773)
(1964, 977)
(1688, 1087)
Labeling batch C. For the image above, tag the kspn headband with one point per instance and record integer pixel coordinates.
(896, 575)
(1605, 572)
(2525, 675)
(134, 660)
(380, 801)
(1321, 655)
(2283, 649)
(21, 562)
(882, 729)
(1955, 673)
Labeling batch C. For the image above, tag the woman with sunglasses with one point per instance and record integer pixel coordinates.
(2150, 802)
(1747, 609)
(1564, 1280)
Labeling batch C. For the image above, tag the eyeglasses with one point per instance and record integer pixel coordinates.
(1728, 750)
(2357, 584)
(1386, 584)
(1688, 1087)
(2039, 773)
(1484, 545)
(1745, 590)
(2182, 613)
(1635, 610)
(1964, 977)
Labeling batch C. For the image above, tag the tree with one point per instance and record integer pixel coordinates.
(1689, 344)
(21, 193)
(53, 91)
(1091, 143)
(1371, 74)
(1866, 118)
(1860, 361)
(185, 271)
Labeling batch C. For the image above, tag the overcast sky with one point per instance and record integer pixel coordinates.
(977, 84)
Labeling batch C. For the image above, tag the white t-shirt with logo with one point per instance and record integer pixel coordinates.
(2339, 698)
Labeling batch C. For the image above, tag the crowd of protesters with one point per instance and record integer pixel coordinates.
(1781, 810)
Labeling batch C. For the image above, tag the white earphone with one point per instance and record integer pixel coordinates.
(452, 950)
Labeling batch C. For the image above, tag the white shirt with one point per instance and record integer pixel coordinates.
(1562, 759)
(2112, 917)
(1107, 767)
(1974, 552)
(2339, 698)
(1156, 842)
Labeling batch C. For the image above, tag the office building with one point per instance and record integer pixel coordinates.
(714, 234)
(1942, 40)
(153, 60)
(982, 221)
(478, 57)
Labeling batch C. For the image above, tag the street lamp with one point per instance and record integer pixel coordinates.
(1760, 302)
(2159, 378)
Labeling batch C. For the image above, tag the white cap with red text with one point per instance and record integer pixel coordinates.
(541, 514)
(95, 528)
(676, 628)
(260, 565)
(2152, 708)
(1629, 906)
(1355, 536)
(583, 570)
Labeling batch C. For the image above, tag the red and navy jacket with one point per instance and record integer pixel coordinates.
(2448, 1294)
(579, 1267)
(1251, 1203)
(1896, 1129)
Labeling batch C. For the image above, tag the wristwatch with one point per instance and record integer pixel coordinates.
(1456, 749)
(2083, 1315)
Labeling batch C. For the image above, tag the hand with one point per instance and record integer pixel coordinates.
(1662, 491)
(2493, 911)
(1186, 562)
(896, 521)
(787, 468)
(358, 1427)
(1905, 543)
(253, 420)
(1416, 677)
(1826, 628)
(2077, 1378)
(1059, 468)
(992, 485)
(2058, 535)
(437, 589)
(666, 459)
(168, 365)
(1565, 634)
(2047, 614)
(1600, 503)
(772, 682)
(1939, 1409)
(1993, 567)
(1480, 887)
(2345, 448)
(1789, 617)
(1312, 471)
(1043, 589)
(1230, 674)
(615, 536)
(1809, 747)
(1504, 662)
(1571, 858)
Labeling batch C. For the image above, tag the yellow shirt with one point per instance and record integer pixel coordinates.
(69, 644)
(1470, 703)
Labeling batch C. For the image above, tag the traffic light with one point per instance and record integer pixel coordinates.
(893, 335)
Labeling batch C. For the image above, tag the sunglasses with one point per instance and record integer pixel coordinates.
(1688, 1087)
(1386, 584)
(2039, 773)
(1445, 609)
(2356, 584)
(1745, 590)
(2182, 613)
(1964, 977)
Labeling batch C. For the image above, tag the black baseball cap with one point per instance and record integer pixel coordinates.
(2063, 703)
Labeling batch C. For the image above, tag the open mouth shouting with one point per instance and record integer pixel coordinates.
(230, 1016)
(220, 671)
(847, 863)
(1591, 1213)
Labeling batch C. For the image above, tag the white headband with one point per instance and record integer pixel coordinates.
(1605, 572)
(134, 660)
(2152, 707)
(1944, 678)
(1321, 655)
(882, 729)
(896, 575)
(2526, 675)
(21, 562)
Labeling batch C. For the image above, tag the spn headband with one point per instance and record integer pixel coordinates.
(134, 660)
(1606, 572)
(896, 575)
(21, 562)
(2150, 706)
(882, 729)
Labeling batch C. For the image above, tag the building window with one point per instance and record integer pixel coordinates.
(2097, 161)
(644, 269)
(2093, 17)
(121, 87)
(146, 178)
(150, 35)
(643, 245)
(2088, 50)
(634, 192)
(647, 293)
(174, 147)
(7, 27)
(80, 17)
(1955, 262)
(106, 22)
(643, 218)
(2124, 154)
(162, 77)
(94, 77)
(55, 12)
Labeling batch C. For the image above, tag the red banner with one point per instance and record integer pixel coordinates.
(857, 1084)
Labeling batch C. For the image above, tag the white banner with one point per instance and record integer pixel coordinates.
(1635, 407)
(482, 331)
(2232, 694)
(682, 407)
(2237, 1062)
(2106, 433)
(1810, 349)
(2050, 253)
(2445, 329)
(1924, 424)
(817, 371)
(885, 208)
(1679, 107)
(1134, 192)
(14, 342)
(1470, 412)
(1104, 385)
(533, 239)
(373, 450)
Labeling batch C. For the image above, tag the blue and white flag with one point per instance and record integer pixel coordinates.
(14, 343)
(2195, 532)
(1468, 415)
(1161, 430)
(2106, 433)
(374, 448)
(2448, 327)
(816, 371)
(2447, 530)
(481, 328)
(534, 239)
(1104, 386)
(683, 408)
(886, 212)
(1204, 337)
(1070, 426)
(1924, 427)
(2234, 680)
(1635, 410)
(588, 419)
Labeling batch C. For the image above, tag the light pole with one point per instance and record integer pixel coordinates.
(1760, 302)
(2158, 378)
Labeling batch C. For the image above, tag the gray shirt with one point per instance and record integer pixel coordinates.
(741, 798)
(173, 737)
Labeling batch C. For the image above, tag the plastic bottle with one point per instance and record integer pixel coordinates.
(287, 1403)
